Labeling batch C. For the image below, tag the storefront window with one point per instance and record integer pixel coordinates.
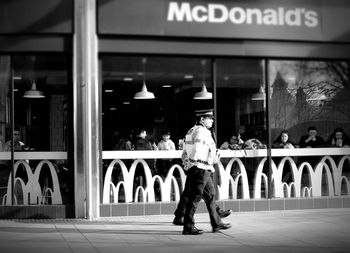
(173, 81)
(302, 94)
(308, 94)
(35, 89)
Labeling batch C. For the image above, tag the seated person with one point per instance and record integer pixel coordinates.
(142, 143)
(163, 165)
(283, 141)
(253, 144)
(166, 143)
(311, 140)
(125, 142)
(18, 144)
(235, 142)
(338, 139)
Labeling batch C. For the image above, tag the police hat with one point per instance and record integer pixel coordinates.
(205, 113)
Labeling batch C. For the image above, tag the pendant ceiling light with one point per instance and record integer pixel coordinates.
(144, 93)
(33, 92)
(259, 95)
(203, 94)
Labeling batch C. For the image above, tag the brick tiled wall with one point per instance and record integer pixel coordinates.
(251, 205)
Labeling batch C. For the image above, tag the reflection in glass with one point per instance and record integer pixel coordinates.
(309, 93)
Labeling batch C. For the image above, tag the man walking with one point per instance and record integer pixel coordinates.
(181, 207)
(199, 156)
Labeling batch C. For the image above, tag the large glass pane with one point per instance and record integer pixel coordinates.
(241, 119)
(41, 174)
(239, 82)
(173, 81)
(310, 102)
(41, 119)
(309, 93)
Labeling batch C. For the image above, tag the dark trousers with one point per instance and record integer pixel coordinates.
(199, 181)
(181, 206)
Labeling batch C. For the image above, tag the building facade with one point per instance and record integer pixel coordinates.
(71, 74)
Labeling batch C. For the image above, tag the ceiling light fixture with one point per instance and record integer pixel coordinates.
(203, 94)
(259, 95)
(144, 93)
(33, 92)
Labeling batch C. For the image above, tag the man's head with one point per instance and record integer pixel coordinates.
(16, 135)
(143, 133)
(205, 117)
(166, 135)
(312, 131)
(233, 139)
(339, 133)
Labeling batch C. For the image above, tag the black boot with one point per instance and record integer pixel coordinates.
(221, 226)
(223, 213)
(192, 231)
(179, 221)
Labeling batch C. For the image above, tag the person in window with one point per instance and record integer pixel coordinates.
(163, 165)
(338, 139)
(166, 143)
(18, 144)
(125, 141)
(283, 141)
(311, 140)
(144, 142)
(199, 156)
(234, 143)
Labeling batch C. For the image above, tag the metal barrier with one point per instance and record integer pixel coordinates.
(241, 174)
(27, 185)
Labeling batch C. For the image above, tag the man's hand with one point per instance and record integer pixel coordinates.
(310, 138)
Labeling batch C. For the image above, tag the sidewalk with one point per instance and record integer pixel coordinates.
(320, 230)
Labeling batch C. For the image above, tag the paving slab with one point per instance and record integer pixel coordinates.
(317, 230)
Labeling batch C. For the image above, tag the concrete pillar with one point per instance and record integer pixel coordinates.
(87, 152)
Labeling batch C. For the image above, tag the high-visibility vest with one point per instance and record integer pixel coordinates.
(199, 149)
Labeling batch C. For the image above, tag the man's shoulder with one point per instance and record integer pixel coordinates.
(192, 129)
(200, 128)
